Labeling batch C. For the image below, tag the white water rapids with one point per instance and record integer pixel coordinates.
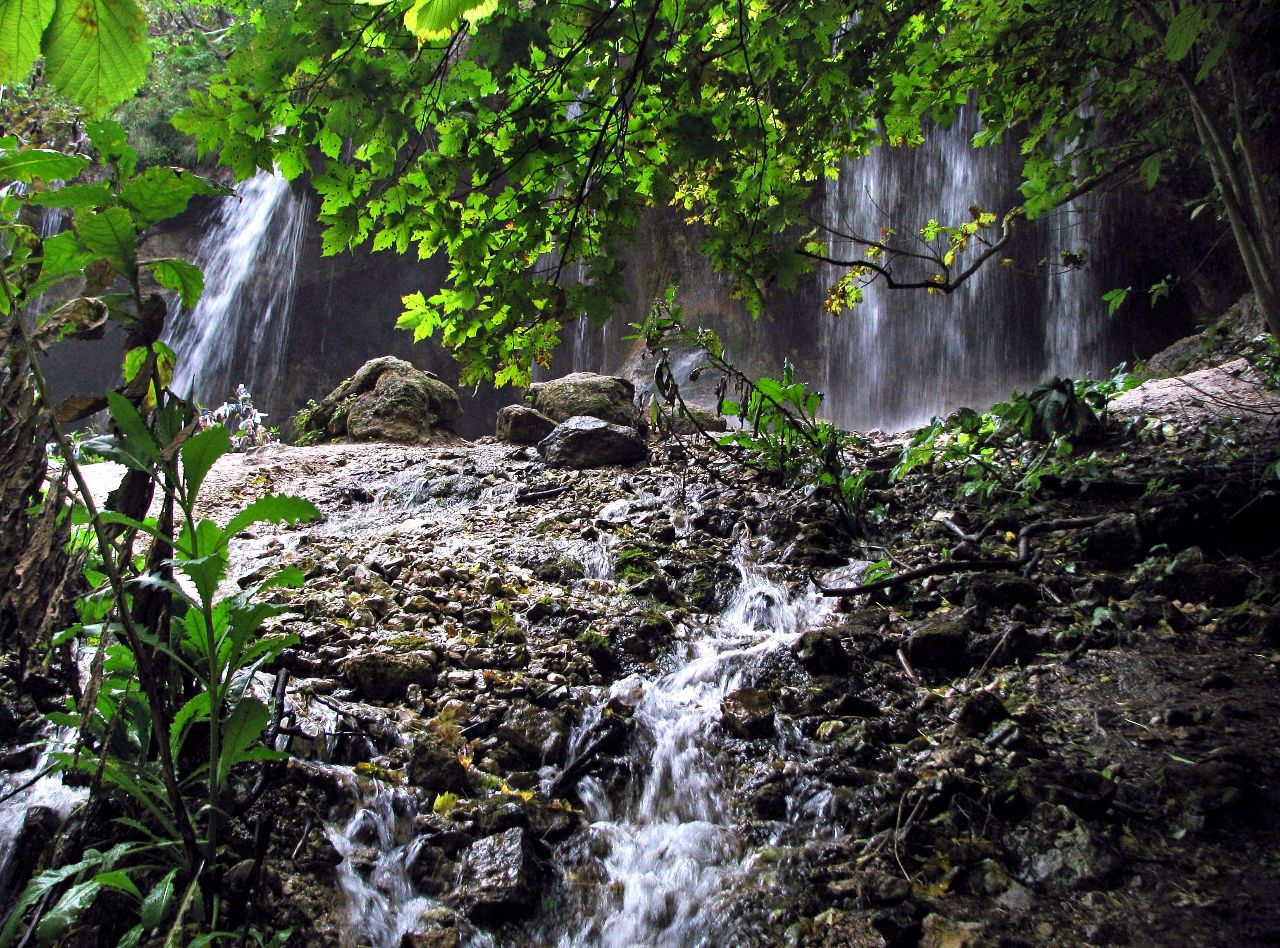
(665, 853)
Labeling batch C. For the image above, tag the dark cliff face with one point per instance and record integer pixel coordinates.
(345, 311)
(895, 360)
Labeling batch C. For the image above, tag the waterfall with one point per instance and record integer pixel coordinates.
(239, 330)
(901, 356)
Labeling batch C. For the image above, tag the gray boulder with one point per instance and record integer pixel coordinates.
(1056, 849)
(502, 876)
(520, 425)
(387, 399)
(583, 442)
(607, 397)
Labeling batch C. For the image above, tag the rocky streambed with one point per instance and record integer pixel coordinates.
(536, 706)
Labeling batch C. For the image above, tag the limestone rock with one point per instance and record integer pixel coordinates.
(748, 712)
(584, 442)
(434, 766)
(502, 876)
(387, 399)
(940, 645)
(1054, 848)
(385, 676)
(606, 397)
(518, 424)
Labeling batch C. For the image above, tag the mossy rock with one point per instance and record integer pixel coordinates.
(387, 399)
(633, 565)
(606, 397)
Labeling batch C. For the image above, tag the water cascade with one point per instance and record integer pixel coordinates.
(239, 330)
(662, 855)
(901, 356)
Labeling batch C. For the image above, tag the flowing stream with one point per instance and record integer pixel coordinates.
(661, 855)
(239, 330)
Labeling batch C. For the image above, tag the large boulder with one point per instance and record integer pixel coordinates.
(387, 399)
(583, 442)
(518, 424)
(607, 397)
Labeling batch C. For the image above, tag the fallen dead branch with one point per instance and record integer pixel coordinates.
(967, 566)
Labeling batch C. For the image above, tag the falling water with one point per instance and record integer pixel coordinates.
(239, 330)
(902, 356)
(899, 357)
(25, 792)
(378, 845)
(665, 852)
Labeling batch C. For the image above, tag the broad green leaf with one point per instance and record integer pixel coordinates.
(160, 193)
(1184, 30)
(174, 273)
(1150, 170)
(199, 454)
(435, 19)
(21, 24)
(137, 437)
(111, 234)
(31, 164)
(113, 146)
(134, 360)
(63, 255)
(194, 711)
(75, 196)
(242, 729)
(207, 569)
(58, 921)
(273, 508)
(96, 52)
(118, 879)
(159, 901)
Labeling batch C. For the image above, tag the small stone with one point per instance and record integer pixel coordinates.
(979, 712)
(748, 712)
(941, 645)
(502, 876)
(942, 932)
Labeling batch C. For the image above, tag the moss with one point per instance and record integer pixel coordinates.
(407, 643)
(633, 565)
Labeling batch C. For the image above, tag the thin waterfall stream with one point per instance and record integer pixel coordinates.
(659, 857)
(238, 332)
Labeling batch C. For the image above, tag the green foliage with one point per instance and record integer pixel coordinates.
(167, 716)
(523, 141)
(108, 216)
(779, 433)
(1006, 454)
(95, 51)
(182, 61)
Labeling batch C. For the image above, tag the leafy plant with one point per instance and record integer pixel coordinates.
(1006, 453)
(168, 713)
(779, 433)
